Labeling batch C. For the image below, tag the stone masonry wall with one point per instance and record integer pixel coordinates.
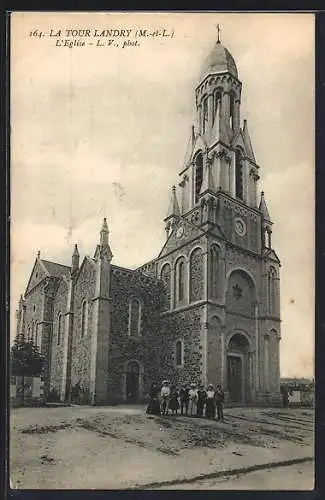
(185, 326)
(144, 349)
(81, 345)
(59, 307)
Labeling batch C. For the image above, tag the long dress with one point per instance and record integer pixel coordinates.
(154, 403)
(210, 411)
(173, 402)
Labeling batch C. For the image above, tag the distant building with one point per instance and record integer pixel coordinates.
(207, 309)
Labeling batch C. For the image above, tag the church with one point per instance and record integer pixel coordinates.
(205, 310)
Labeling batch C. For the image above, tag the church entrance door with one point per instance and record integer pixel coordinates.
(235, 382)
(132, 383)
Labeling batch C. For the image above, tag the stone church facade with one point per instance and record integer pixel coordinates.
(207, 309)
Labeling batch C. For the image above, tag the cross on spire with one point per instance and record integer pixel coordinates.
(219, 30)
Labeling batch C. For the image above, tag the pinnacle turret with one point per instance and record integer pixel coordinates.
(263, 208)
(173, 209)
(75, 259)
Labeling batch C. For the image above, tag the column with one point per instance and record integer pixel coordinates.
(246, 179)
(222, 285)
(236, 117)
(205, 332)
(225, 114)
(206, 275)
(68, 332)
(257, 378)
(251, 391)
(233, 175)
(266, 363)
(199, 117)
(172, 286)
(100, 335)
(210, 111)
(223, 357)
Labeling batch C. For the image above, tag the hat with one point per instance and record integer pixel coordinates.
(193, 385)
(210, 385)
(164, 382)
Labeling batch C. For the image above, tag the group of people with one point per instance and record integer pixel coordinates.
(192, 400)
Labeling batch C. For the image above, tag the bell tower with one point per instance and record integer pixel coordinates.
(220, 147)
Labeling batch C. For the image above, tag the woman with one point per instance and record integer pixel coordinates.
(193, 397)
(173, 401)
(210, 411)
(154, 403)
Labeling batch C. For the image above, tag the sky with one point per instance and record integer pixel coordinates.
(103, 131)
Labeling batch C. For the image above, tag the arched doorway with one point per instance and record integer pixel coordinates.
(238, 381)
(132, 383)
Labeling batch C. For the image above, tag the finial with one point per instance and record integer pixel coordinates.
(75, 251)
(38, 254)
(104, 226)
(174, 188)
(262, 193)
(218, 29)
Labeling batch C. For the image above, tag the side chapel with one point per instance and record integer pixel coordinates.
(206, 309)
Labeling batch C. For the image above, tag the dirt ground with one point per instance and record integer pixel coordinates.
(291, 477)
(122, 447)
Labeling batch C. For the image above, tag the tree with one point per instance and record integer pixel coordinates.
(25, 359)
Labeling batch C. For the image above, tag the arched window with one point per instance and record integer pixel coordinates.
(272, 290)
(196, 275)
(165, 276)
(37, 337)
(205, 116)
(198, 175)
(33, 332)
(217, 102)
(180, 280)
(134, 317)
(239, 174)
(60, 328)
(84, 318)
(179, 353)
(231, 109)
(214, 270)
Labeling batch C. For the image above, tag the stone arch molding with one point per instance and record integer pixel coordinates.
(232, 333)
(217, 317)
(244, 271)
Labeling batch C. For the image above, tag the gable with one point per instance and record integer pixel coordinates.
(271, 255)
(177, 240)
(39, 272)
(86, 270)
(199, 145)
(238, 141)
(244, 143)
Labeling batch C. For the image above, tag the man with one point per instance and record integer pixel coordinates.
(201, 399)
(220, 399)
(164, 394)
(184, 399)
